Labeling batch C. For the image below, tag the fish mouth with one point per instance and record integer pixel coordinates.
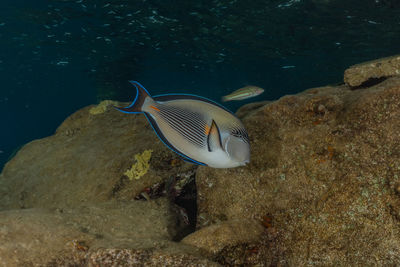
(244, 163)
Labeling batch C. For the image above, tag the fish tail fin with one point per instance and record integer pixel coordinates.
(137, 103)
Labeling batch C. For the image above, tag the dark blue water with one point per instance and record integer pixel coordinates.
(59, 56)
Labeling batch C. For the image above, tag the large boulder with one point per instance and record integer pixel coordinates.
(86, 196)
(38, 236)
(87, 160)
(323, 178)
(217, 236)
(372, 71)
(112, 234)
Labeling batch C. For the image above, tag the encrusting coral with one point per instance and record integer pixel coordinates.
(102, 107)
(141, 166)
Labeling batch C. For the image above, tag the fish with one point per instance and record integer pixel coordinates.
(243, 93)
(196, 128)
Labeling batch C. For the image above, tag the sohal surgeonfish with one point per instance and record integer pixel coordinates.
(198, 129)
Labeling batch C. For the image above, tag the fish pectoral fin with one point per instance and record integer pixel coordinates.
(214, 138)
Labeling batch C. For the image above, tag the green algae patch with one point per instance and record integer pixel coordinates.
(141, 166)
(102, 106)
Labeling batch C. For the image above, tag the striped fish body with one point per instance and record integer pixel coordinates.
(243, 93)
(196, 128)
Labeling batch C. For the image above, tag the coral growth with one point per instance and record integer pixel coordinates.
(102, 107)
(141, 166)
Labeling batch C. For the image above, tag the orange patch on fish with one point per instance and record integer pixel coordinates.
(155, 108)
(207, 129)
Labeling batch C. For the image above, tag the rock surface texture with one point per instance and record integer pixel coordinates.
(85, 161)
(38, 236)
(375, 69)
(324, 176)
(322, 188)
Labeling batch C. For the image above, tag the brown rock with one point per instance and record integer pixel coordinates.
(325, 169)
(83, 209)
(85, 161)
(380, 68)
(225, 234)
(249, 108)
(29, 237)
(129, 257)
(38, 236)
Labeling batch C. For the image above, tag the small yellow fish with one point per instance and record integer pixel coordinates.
(243, 93)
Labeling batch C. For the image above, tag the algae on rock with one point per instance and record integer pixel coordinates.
(141, 166)
(102, 106)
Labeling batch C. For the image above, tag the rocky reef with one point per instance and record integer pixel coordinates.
(322, 187)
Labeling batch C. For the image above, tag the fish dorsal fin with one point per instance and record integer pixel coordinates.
(214, 138)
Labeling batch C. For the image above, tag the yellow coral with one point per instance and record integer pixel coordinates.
(102, 107)
(141, 166)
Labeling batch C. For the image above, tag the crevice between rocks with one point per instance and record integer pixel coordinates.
(369, 83)
(181, 191)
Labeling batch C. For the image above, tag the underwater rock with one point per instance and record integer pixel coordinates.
(129, 257)
(247, 109)
(86, 161)
(39, 236)
(381, 68)
(323, 178)
(67, 200)
(218, 236)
